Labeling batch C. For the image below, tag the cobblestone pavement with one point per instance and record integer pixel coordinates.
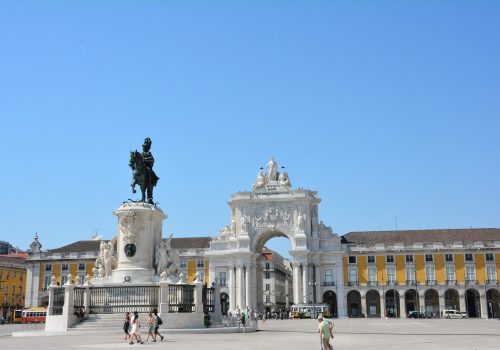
(350, 334)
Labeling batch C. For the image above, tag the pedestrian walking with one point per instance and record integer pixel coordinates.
(151, 327)
(325, 329)
(157, 322)
(126, 326)
(135, 331)
(243, 321)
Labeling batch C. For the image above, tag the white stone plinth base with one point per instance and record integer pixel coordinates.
(139, 227)
(131, 275)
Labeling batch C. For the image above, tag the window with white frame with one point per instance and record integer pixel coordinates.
(268, 275)
(46, 282)
(328, 276)
(200, 263)
(470, 273)
(389, 258)
(490, 257)
(268, 299)
(450, 273)
(81, 266)
(448, 257)
(410, 273)
(222, 279)
(429, 273)
(352, 259)
(391, 274)
(469, 257)
(82, 278)
(64, 279)
(492, 273)
(182, 264)
(48, 267)
(268, 287)
(353, 275)
(64, 267)
(429, 257)
(409, 258)
(371, 259)
(372, 274)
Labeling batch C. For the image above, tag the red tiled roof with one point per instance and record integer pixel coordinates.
(408, 237)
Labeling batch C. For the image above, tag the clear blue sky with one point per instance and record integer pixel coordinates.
(387, 108)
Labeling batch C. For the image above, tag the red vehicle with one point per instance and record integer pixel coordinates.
(34, 315)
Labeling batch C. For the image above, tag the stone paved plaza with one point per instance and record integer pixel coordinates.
(352, 334)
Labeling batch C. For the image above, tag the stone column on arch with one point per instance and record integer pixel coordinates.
(305, 282)
(247, 285)
(239, 286)
(296, 283)
(317, 279)
(232, 288)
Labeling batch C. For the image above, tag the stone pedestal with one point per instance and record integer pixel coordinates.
(139, 233)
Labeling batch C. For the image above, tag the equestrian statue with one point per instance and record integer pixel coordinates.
(142, 171)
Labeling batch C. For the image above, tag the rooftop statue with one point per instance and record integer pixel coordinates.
(273, 177)
(142, 170)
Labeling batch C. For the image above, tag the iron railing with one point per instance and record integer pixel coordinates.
(78, 298)
(57, 305)
(208, 297)
(112, 300)
(329, 284)
(181, 298)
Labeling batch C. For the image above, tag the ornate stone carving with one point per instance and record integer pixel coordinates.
(301, 221)
(128, 225)
(244, 223)
(161, 259)
(166, 259)
(272, 180)
(197, 278)
(69, 282)
(283, 180)
(324, 231)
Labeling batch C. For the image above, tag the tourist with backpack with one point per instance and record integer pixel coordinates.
(157, 322)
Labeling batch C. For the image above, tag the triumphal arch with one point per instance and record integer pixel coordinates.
(274, 209)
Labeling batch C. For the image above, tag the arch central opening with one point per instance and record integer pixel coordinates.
(274, 274)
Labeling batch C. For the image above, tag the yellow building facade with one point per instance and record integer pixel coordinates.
(421, 273)
(12, 285)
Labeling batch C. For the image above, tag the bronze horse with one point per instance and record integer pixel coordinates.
(142, 176)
